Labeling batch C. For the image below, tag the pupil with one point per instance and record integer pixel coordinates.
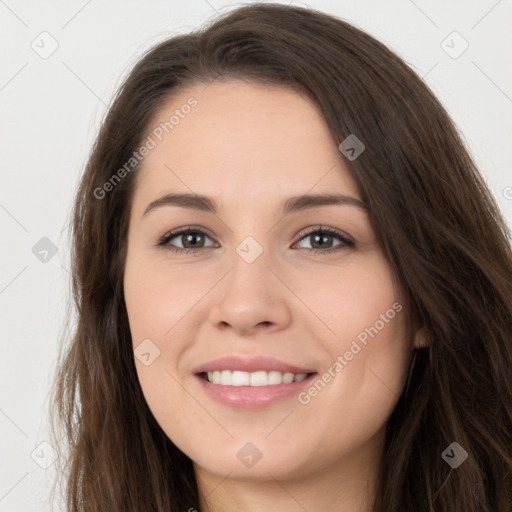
(324, 238)
(191, 237)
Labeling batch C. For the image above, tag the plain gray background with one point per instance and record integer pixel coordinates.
(52, 104)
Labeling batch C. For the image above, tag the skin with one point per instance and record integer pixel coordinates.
(250, 147)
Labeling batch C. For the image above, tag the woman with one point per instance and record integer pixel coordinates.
(253, 372)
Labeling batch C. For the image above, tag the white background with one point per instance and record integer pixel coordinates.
(51, 109)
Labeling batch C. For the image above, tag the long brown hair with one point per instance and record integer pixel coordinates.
(436, 220)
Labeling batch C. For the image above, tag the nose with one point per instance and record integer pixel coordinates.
(251, 299)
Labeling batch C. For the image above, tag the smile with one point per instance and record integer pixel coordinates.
(251, 382)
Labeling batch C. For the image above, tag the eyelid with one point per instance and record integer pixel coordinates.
(181, 231)
(346, 240)
(325, 229)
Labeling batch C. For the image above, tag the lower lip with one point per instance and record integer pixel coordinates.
(252, 397)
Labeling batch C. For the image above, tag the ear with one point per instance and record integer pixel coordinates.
(420, 339)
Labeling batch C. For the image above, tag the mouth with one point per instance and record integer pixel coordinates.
(251, 382)
(252, 391)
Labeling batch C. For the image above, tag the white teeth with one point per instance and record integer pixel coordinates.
(274, 377)
(260, 378)
(287, 378)
(239, 379)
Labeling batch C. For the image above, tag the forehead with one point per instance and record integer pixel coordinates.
(242, 141)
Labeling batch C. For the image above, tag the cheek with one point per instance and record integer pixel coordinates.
(368, 351)
(160, 303)
(158, 299)
(348, 298)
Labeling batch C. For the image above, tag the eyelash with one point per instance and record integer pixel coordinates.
(164, 241)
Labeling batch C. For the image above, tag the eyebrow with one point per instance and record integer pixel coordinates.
(292, 204)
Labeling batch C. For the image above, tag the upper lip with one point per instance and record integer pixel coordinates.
(249, 364)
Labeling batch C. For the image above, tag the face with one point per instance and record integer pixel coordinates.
(254, 296)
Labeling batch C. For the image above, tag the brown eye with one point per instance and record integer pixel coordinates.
(191, 239)
(321, 240)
